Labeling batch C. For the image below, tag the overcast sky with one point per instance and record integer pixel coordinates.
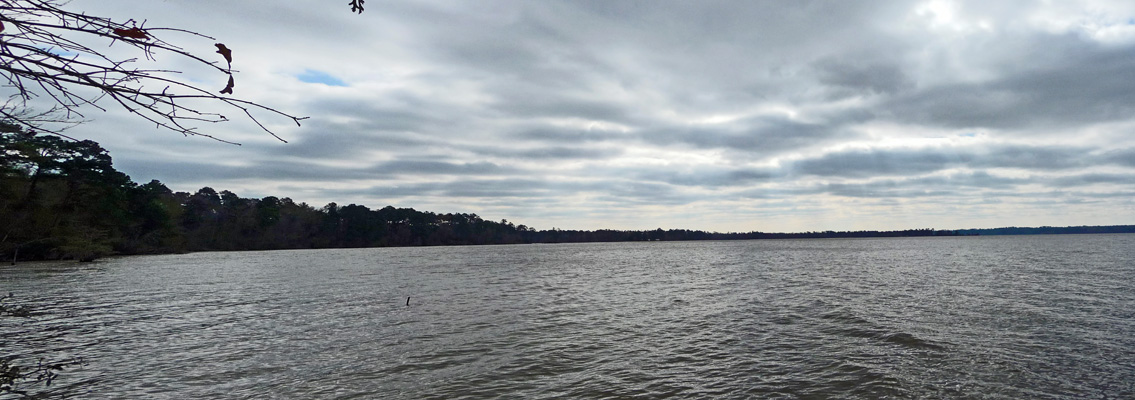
(725, 116)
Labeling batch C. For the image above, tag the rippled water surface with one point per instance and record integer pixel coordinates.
(973, 317)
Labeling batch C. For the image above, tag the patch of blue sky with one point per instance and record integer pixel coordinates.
(315, 76)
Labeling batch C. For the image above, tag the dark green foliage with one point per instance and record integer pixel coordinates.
(64, 200)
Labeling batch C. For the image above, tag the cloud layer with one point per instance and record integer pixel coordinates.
(729, 116)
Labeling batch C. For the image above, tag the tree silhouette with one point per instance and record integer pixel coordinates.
(49, 53)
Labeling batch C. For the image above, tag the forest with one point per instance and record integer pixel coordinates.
(63, 199)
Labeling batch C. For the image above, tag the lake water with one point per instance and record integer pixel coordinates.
(966, 317)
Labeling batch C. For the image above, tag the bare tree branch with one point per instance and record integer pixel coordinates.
(43, 56)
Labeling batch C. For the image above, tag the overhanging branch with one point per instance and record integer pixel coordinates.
(43, 55)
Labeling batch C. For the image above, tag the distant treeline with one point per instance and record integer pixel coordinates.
(62, 199)
(1050, 230)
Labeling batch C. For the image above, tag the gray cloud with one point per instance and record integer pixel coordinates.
(549, 152)
(430, 167)
(1092, 179)
(537, 104)
(634, 193)
(567, 136)
(1124, 157)
(293, 171)
(765, 136)
(211, 174)
(344, 142)
(959, 184)
(855, 77)
(482, 188)
(1087, 83)
(916, 161)
(710, 177)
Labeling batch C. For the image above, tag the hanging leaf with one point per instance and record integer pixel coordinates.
(133, 33)
(357, 6)
(228, 88)
(225, 52)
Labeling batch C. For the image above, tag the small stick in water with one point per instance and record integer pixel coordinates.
(407, 300)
